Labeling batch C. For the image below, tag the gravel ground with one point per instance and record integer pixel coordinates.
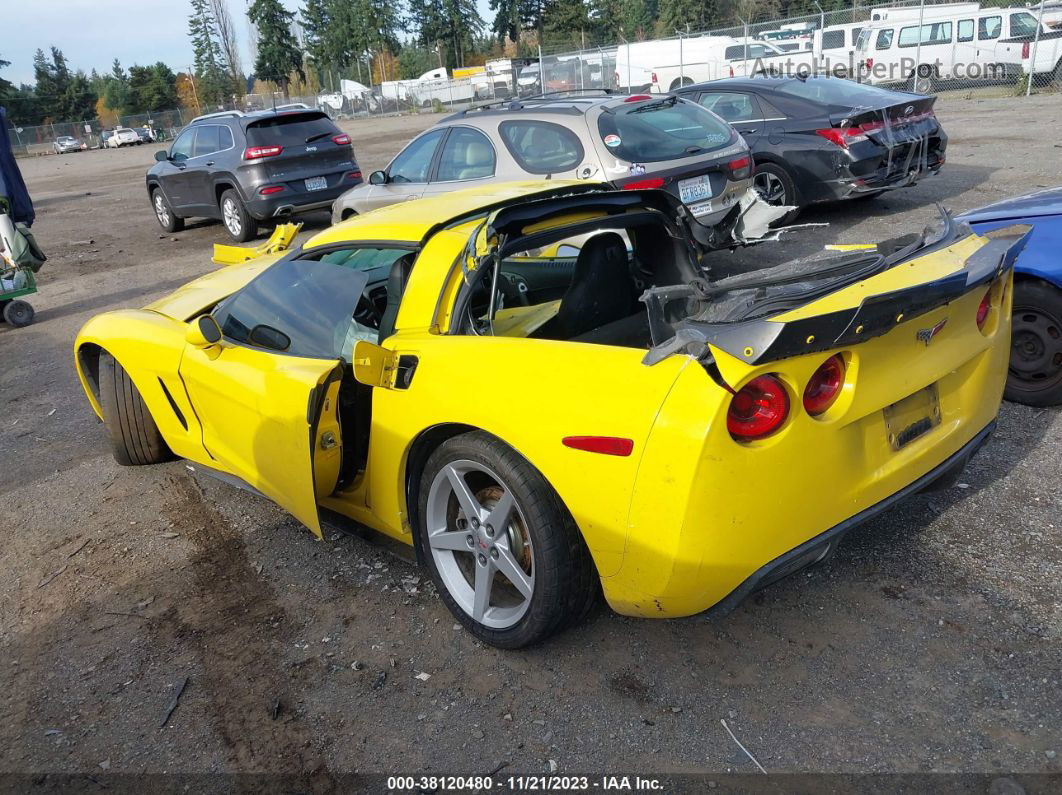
(930, 642)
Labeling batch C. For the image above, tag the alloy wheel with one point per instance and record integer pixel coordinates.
(770, 188)
(231, 215)
(161, 211)
(479, 541)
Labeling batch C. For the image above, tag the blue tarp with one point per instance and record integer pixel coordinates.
(12, 186)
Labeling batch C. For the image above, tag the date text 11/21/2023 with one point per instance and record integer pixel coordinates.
(526, 783)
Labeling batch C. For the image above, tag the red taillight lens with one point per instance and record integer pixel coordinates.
(341, 140)
(256, 152)
(654, 77)
(825, 385)
(1025, 50)
(270, 189)
(869, 62)
(353, 175)
(983, 309)
(607, 445)
(843, 136)
(645, 184)
(759, 408)
(740, 168)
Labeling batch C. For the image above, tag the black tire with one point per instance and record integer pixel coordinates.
(240, 225)
(566, 585)
(1035, 374)
(135, 438)
(164, 212)
(18, 313)
(780, 189)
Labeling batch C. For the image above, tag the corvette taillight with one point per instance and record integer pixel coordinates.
(983, 310)
(258, 152)
(758, 409)
(824, 386)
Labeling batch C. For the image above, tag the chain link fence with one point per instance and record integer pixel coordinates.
(92, 134)
(927, 47)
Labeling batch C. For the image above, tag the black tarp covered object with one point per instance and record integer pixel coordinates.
(12, 186)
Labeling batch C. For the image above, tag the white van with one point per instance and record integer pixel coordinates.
(962, 46)
(665, 64)
(914, 11)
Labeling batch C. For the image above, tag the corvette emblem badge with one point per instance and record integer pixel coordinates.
(926, 335)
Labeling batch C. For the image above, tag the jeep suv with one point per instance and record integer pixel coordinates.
(243, 168)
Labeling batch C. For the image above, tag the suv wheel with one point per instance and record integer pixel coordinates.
(238, 222)
(163, 211)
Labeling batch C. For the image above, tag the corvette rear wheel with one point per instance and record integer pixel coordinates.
(504, 553)
(135, 438)
(1035, 373)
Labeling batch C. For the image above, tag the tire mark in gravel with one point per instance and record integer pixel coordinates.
(231, 623)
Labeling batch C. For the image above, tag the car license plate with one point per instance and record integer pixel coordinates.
(695, 189)
(316, 183)
(914, 416)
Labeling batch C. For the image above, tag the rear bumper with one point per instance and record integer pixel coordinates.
(290, 202)
(824, 545)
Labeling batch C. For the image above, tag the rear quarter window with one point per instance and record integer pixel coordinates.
(541, 147)
(656, 131)
(832, 39)
(290, 129)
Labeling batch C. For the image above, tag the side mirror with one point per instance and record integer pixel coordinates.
(269, 338)
(162, 156)
(204, 332)
(373, 365)
(378, 178)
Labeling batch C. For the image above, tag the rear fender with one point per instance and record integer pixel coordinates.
(149, 346)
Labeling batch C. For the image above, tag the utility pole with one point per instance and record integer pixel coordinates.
(195, 94)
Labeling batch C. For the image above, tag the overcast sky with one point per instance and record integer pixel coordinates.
(92, 33)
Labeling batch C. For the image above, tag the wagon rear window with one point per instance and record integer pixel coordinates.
(662, 130)
(541, 147)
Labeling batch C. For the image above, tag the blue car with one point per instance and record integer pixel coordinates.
(1035, 375)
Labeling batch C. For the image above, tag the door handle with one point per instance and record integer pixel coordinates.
(748, 131)
(328, 440)
(210, 162)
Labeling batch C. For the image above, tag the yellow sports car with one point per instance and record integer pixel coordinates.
(546, 422)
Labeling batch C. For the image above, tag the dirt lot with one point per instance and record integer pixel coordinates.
(931, 642)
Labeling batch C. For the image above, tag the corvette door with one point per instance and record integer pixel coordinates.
(269, 420)
(265, 383)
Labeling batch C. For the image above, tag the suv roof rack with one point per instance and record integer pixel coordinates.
(220, 114)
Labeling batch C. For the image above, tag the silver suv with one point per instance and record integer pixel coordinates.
(631, 142)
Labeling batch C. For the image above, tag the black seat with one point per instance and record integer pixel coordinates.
(396, 285)
(602, 290)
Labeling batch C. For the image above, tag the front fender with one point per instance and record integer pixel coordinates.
(149, 347)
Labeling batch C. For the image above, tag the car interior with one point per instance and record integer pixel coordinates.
(577, 282)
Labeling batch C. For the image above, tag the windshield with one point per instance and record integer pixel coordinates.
(666, 129)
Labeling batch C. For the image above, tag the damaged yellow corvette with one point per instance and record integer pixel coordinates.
(540, 388)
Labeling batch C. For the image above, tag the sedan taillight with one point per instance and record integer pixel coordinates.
(258, 152)
(758, 409)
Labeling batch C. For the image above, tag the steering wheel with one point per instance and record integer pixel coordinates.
(514, 288)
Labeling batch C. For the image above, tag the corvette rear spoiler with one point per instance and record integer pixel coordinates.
(762, 339)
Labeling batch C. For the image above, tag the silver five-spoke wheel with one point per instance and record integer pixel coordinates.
(770, 188)
(480, 544)
(231, 216)
(161, 210)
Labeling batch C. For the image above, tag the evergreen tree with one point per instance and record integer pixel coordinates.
(61, 95)
(682, 15)
(565, 22)
(278, 53)
(213, 82)
(452, 24)
(116, 89)
(152, 88)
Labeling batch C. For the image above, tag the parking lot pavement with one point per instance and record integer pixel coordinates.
(931, 641)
